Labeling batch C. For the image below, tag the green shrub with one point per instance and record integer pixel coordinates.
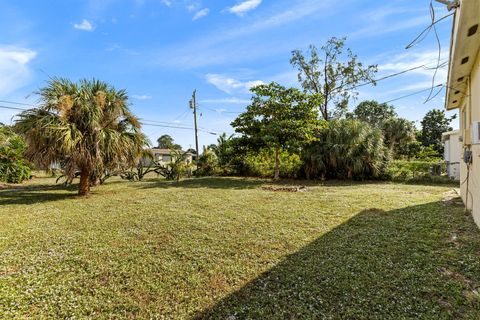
(346, 149)
(262, 164)
(13, 167)
(416, 171)
(207, 164)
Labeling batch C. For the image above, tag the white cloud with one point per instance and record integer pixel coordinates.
(168, 3)
(200, 14)
(230, 85)
(85, 25)
(245, 6)
(411, 60)
(219, 47)
(142, 97)
(232, 100)
(14, 70)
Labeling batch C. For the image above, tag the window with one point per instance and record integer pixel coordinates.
(166, 158)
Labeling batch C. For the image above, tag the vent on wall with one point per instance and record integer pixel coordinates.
(476, 132)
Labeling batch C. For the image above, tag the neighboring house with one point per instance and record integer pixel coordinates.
(463, 93)
(452, 153)
(164, 156)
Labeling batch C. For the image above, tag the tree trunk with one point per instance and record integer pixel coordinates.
(277, 165)
(84, 187)
(350, 174)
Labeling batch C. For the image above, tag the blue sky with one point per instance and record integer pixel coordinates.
(161, 50)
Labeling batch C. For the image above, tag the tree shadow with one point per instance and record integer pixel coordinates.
(31, 194)
(240, 183)
(378, 265)
(208, 182)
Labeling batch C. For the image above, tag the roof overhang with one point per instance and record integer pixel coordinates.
(464, 48)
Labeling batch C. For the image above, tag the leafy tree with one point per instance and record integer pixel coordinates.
(13, 167)
(398, 131)
(278, 118)
(434, 124)
(346, 149)
(322, 72)
(167, 142)
(373, 113)
(87, 126)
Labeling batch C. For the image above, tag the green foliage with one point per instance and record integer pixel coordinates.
(373, 113)
(417, 171)
(278, 118)
(224, 149)
(397, 131)
(13, 167)
(346, 149)
(167, 142)
(323, 74)
(434, 124)
(86, 126)
(177, 168)
(208, 163)
(262, 164)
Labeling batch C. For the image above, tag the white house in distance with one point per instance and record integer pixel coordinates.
(164, 156)
(452, 153)
(463, 93)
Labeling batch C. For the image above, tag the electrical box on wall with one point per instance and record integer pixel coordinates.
(475, 132)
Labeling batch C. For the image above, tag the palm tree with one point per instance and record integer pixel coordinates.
(346, 149)
(86, 126)
(222, 148)
(398, 131)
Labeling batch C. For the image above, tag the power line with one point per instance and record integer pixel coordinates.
(17, 103)
(13, 108)
(412, 94)
(423, 66)
(426, 31)
(156, 124)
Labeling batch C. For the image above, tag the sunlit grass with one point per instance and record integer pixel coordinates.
(224, 248)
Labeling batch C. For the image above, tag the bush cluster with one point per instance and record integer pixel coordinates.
(13, 167)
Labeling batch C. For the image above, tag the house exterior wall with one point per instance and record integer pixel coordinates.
(469, 113)
(163, 157)
(453, 154)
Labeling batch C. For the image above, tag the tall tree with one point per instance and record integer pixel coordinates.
(167, 142)
(373, 113)
(434, 124)
(86, 126)
(398, 131)
(279, 118)
(323, 72)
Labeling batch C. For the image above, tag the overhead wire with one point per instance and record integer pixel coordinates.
(422, 36)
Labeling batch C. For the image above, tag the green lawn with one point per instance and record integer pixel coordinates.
(226, 249)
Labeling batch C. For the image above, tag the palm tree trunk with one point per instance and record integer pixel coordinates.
(84, 187)
(277, 165)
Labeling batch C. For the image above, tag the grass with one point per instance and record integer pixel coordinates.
(223, 248)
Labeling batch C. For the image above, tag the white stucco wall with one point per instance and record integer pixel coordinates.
(453, 153)
(472, 106)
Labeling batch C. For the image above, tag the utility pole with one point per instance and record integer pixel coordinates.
(193, 105)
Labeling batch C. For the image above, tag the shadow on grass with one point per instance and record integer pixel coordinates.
(378, 265)
(31, 194)
(239, 183)
(208, 182)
